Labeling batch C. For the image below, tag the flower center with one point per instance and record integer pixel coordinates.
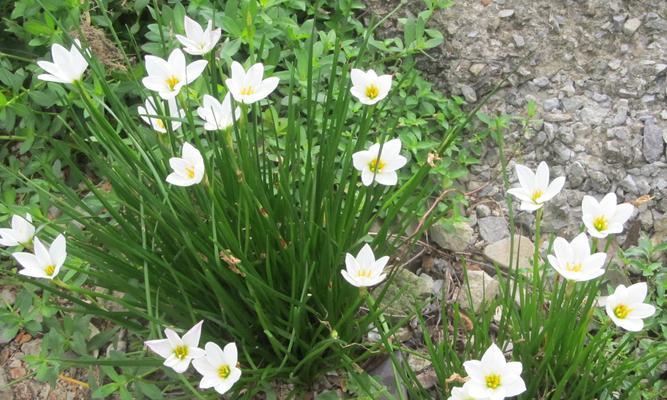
(492, 381)
(364, 273)
(50, 269)
(376, 165)
(160, 124)
(247, 90)
(537, 193)
(372, 91)
(224, 371)
(572, 267)
(181, 352)
(190, 171)
(600, 223)
(172, 81)
(622, 311)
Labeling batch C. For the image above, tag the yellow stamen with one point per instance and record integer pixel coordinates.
(172, 81)
(492, 381)
(622, 311)
(160, 124)
(181, 352)
(573, 267)
(50, 269)
(364, 273)
(600, 223)
(372, 91)
(190, 170)
(376, 165)
(536, 195)
(224, 371)
(247, 91)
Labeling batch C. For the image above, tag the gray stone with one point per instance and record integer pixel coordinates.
(619, 132)
(551, 104)
(457, 238)
(518, 40)
(483, 289)
(571, 104)
(493, 229)
(653, 142)
(631, 26)
(406, 291)
(499, 252)
(576, 174)
(541, 81)
(385, 373)
(476, 69)
(599, 181)
(557, 117)
(593, 114)
(506, 13)
(655, 22)
(469, 93)
(32, 347)
(483, 210)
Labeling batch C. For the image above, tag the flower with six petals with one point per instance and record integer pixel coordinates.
(20, 233)
(574, 261)
(535, 189)
(68, 66)
(45, 263)
(167, 77)
(380, 167)
(364, 270)
(177, 351)
(198, 41)
(216, 115)
(626, 306)
(218, 367)
(151, 116)
(368, 87)
(188, 169)
(494, 378)
(606, 217)
(249, 87)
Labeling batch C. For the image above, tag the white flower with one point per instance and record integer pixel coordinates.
(189, 169)
(364, 270)
(67, 66)
(463, 393)
(151, 116)
(218, 367)
(167, 77)
(574, 260)
(368, 87)
(20, 233)
(45, 263)
(196, 40)
(380, 167)
(493, 377)
(605, 217)
(249, 87)
(177, 351)
(535, 189)
(626, 306)
(218, 116)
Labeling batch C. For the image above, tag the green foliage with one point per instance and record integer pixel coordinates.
(281, 195)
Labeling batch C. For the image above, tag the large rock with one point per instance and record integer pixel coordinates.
(405, 291)
(455, 238)
(499, 252)
(483, 289)
(493, 229)
(653, 142)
